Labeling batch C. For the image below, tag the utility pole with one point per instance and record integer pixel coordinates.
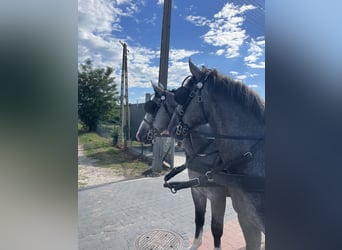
(165, 43)
(163, 148)
(124, 124)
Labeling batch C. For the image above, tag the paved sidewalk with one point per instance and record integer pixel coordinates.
(113, 216)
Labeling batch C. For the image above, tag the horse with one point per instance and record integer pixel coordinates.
(236, 115)
(201, 153)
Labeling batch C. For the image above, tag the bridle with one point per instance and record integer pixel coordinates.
(184, 130)
(151, 107)
(183, 97)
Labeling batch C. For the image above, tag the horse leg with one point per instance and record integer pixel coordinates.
(218, 208)
(251, 233)
(200, 202)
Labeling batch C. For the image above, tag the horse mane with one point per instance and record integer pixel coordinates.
(224, 86)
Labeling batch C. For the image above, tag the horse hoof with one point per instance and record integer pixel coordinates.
(193, 247)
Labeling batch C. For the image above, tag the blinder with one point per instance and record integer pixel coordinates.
(181, 95)
(151, 107)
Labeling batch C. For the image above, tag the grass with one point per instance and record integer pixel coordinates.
(125, 163)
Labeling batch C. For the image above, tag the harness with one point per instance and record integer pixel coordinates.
(224, 174)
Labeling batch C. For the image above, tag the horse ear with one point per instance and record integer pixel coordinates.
(156, 88)
(161, 86)
(196, 72)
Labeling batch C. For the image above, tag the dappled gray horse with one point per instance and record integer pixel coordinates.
(236, 115)
(201, 153)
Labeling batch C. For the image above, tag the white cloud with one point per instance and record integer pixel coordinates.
(253, 86)
(219, 52)
(251, 75)
(225, 28)
(160, 2)
(198, 20)
(151, 20)
(260, 65)
(241, 77)
(256, 56)
(179, 54)
(97, 20)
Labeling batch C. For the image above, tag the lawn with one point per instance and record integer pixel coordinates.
(101, 149)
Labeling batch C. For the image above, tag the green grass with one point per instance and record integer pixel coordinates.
(100, 148)
(80, 128)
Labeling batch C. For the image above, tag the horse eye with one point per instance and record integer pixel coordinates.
(182, 95)
(150, 107)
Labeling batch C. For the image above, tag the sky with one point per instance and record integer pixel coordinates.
(226, 35)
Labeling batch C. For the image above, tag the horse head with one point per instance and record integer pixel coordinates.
(159, 111)
(191, 110)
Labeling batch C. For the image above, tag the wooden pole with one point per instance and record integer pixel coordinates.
(124, 122)
(165, 43)
(121, 132)
(127, 136)
(163, 148)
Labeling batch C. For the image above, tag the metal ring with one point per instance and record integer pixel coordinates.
(247, 153)
(209, 176)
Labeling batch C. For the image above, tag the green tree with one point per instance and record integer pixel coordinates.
(97, 95)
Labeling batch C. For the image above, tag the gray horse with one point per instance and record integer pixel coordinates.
(201, 153)
(236, 115)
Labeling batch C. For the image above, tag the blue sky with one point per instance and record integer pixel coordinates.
(226, 35)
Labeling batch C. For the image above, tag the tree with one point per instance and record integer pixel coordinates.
(97, 95)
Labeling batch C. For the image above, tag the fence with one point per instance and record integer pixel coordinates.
(137, 113)
(110, 130)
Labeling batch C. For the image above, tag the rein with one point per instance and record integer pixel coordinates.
(231, 137)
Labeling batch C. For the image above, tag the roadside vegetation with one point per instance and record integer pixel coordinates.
(108, 156)
(98, 114)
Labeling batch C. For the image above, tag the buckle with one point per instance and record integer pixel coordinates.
(198, 182)
(209, 176)
(179, 129)
(150, 135)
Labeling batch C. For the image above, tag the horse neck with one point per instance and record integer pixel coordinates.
(192, 146)
(230, 118)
